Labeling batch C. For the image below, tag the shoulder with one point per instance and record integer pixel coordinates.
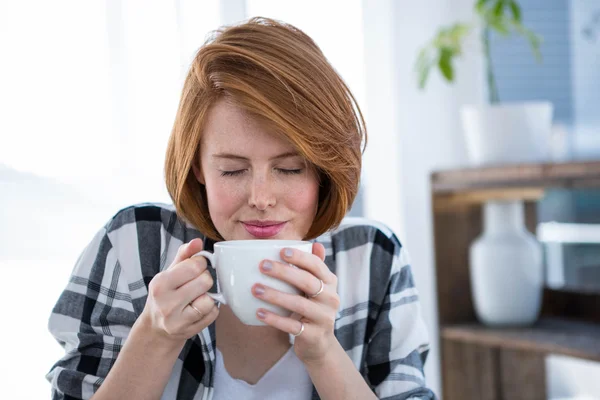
(148, 234)
(146, 219)
(364, 252)
(369, 262)
(363, 235)
(153, 213)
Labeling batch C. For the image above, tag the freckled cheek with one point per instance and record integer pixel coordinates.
(303, 198)
(224, 201)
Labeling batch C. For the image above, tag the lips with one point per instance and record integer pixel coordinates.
(263, 229)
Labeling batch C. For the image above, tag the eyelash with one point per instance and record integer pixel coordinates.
(283, 171)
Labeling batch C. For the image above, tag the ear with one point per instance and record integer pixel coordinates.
(198, 173)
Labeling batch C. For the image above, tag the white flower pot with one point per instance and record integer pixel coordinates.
(507, 133)
(506, 267)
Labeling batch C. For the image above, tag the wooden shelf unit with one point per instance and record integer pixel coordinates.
(486, 363)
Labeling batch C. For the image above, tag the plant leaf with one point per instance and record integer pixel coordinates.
(459, 31)
(445, 45)
(423, 75)
(500, 25)
(445, 64)
(423, 67)
(516, 10)
(499, 9)
(534, 39)
(480, 6)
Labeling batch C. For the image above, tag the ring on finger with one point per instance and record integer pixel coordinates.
(197, 311)
(320, 289)
(301, 330)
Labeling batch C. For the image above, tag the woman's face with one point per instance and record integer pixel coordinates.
(258, 186)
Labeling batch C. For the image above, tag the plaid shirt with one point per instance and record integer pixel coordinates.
(379, 323)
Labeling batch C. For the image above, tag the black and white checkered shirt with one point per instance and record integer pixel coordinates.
(379, 323)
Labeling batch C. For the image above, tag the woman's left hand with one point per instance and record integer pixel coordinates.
(317, 313)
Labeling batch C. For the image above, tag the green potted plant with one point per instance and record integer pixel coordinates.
(495, 132)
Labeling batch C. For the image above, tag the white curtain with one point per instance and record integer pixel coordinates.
(88, 94)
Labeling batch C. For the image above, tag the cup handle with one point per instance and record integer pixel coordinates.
(211, 257)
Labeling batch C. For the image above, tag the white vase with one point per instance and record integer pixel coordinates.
(508, 133)
(506, 267)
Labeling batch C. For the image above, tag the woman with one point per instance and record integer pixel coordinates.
(266, 145)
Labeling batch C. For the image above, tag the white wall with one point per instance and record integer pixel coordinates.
(585, 67)
(412, 132)
(569, 377)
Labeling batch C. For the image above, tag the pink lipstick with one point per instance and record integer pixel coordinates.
(263, 229)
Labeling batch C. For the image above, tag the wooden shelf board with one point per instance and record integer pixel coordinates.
(450, 201)
(548, 335)
(574, 174)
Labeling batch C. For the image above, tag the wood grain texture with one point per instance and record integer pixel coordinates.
(470, 372)
(576, 174)
(523, 375)
(479, 372)
(450, 202)
(548, 335)
(454, 233)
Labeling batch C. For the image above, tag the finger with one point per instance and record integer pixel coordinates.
(195, 288)
(199, 314)
(308, 262)
(292, 302)
(198, 309)
(184, 272)
(203, 303)
(288, 325)
(301, 279)
(203, 322)
(187, 250)
(319, 250)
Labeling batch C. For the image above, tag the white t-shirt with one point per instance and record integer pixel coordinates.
(287, 379)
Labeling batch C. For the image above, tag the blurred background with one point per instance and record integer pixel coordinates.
(89, 91)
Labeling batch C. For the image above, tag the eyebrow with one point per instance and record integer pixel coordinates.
(230, 156)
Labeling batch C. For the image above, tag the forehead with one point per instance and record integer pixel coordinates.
(231, 129)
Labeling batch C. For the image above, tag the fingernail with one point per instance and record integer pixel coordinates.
(259, 290)
(261, 314)
(267, 266)
(288, 252)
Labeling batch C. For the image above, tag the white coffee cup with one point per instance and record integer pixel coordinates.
(237, 265)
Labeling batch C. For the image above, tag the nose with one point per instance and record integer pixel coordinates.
(262, 193)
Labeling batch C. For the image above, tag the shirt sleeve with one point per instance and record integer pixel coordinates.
(91, 319)
(399, 344)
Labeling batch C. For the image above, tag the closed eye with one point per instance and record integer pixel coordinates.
(233, 173)
(281, 170)
(290, 171)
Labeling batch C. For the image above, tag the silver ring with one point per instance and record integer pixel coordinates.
(197, 311)
(301, 330)
(320, 289)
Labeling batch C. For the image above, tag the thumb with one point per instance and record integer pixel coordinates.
(319, 251)
(187, 250)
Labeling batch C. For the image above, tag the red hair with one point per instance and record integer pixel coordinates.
(276, 72)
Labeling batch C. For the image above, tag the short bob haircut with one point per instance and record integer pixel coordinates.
(277, 73)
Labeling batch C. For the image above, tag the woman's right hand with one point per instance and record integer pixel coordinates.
(171, 292)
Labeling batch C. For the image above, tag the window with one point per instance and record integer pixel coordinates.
(89, 93)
